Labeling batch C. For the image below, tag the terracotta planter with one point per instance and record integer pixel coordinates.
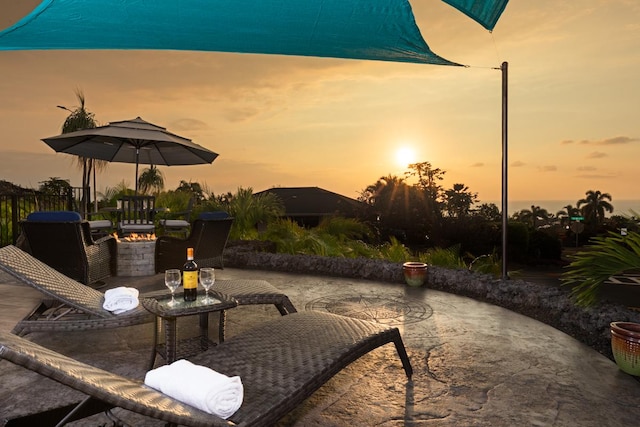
(415, 273)
(625, 345)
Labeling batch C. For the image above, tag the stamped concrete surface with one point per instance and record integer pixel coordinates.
(475, 364)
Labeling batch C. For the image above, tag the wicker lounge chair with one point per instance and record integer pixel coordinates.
(71, 306)
(208, 239)
(63, 240)
(281, 363)
(251, 292)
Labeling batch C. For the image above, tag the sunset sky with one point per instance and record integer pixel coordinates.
(340, 125)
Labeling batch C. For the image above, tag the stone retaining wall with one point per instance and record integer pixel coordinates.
(549, 304)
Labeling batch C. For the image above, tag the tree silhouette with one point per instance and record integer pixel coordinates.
(594, 206)
(566, 213)
(458, 200)
(489, 211)
(80, 119)
(402, 210)
(55, 186)
(193, 188)
(534, 217)
(151, 179)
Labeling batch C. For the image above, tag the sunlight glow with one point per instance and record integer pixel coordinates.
(405, 156)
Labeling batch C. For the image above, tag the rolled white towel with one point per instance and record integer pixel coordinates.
(119, 300)
(198, 386)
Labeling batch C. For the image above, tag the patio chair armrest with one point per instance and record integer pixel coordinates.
(106, 240)
(171, 252)
(101, 258)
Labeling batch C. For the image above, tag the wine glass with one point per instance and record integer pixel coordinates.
(172, 279)
(207, 279)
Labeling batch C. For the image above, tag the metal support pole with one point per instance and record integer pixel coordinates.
(505, 213)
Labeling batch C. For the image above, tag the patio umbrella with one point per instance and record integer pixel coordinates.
(132, 141)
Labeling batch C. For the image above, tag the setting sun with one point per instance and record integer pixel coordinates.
(405, 156)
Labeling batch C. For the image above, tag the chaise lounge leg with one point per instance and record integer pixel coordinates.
(285, 307)
(402, 353)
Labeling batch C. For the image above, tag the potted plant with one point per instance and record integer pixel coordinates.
(625, 345)
(415, 273)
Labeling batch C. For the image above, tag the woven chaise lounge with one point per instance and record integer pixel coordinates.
(281, 362)
(68, 305)
(72, 306)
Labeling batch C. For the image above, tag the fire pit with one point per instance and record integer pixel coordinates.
(136, 255)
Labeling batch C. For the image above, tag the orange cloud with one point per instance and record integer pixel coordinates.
(596, 155)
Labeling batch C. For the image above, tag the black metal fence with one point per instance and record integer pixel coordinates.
(15, 207)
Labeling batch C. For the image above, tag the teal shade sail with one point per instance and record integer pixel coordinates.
(360, 29)
(484, 12)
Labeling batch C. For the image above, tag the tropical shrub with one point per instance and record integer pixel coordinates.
(443, 257)
(395, 251)
(606, 256)
(174, 201)
(543, 245)
(487, 264)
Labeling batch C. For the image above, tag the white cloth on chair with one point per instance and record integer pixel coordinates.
(119, 300)
(198, 386)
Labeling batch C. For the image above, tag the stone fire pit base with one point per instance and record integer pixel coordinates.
(136, 258)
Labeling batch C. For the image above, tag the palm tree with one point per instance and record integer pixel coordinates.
(533, 216)
(593, 207)
(79, 119)
(607, 256)
(566, 213)
(193, 188)
(249, 211)
(151, 179)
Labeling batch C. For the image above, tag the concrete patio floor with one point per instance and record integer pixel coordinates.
(475, 364)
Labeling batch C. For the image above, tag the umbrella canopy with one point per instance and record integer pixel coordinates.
(132, 141)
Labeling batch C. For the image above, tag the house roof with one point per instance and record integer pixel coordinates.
(315, 201)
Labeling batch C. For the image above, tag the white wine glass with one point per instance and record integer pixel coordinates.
(207, 279)
(172, 279)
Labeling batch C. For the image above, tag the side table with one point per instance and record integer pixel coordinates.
(169, 316)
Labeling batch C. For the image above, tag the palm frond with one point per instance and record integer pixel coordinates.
(607, 256)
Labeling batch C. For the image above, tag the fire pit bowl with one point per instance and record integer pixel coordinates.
(136, 256)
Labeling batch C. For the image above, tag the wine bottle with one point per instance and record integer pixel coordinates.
(190, 277)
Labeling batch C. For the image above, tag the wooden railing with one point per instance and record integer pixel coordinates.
(15, 207)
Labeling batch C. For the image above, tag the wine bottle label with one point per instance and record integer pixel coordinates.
(190, 279)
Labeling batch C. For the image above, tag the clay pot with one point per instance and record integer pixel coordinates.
(415, 273)
(625, 345)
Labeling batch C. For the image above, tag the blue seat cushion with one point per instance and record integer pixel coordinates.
(54, 216)
(213, 215)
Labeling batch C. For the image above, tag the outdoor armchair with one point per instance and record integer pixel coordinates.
(136, 215)
(178, 222)
(280, 362)
(208, 239)
(62, 240)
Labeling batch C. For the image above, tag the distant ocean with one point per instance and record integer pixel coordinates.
(620, 207)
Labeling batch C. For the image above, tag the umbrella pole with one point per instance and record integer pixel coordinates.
(95, 191)
(137, 160)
